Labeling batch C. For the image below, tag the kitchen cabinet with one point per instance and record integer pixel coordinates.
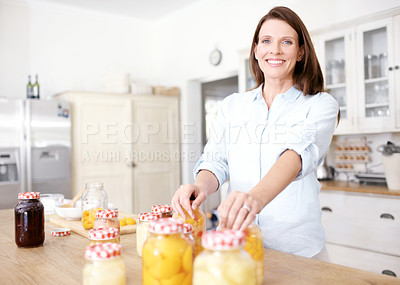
(362, 230)
(360, 61)
(130, 143)
(245, 79)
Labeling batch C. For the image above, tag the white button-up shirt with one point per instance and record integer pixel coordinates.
(246, 139)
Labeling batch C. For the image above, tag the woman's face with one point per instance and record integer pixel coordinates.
(277, 50)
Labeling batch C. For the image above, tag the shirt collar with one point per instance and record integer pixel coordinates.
(291, 95)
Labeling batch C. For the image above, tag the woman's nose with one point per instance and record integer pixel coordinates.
(275, 48)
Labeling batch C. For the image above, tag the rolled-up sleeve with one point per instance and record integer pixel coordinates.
(214, 156)
(311, 137)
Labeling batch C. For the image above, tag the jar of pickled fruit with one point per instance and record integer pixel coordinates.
(107, 219)
(97, 236)
(104, 265)
(199, 226)
(29, 220)
(188, 234)
(254, 246)
(164, 210)
(142, 229)
(167, 255)
(223, 260)
(93, 199)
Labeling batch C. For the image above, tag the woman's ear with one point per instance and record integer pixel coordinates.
(301, 53)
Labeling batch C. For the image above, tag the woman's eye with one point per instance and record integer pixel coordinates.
(287, 42)
(266, 41)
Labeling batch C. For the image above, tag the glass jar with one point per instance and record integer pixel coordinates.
(93, 199)
(107, 219)
(199, 226)
(142, 229)
(383, 64)
(97, 236)
(29, 220)
(167, 255)
(371, 66)
(104, 265)
(254, 246)
(224, 261)
(164, 210)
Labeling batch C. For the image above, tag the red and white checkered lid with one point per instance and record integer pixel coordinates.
(187, 228)
(223, 239)
(107, 214)
(103, 234)
(103, 251)
(149, 217)
(29, 195)
(61, 232)
(161, 208)
(166, 226)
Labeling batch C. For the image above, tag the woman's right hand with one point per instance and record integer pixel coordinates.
(181, 199)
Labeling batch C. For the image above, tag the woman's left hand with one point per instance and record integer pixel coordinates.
(238, 210)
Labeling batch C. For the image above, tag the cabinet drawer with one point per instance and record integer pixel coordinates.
(366, 222)
(362, 259)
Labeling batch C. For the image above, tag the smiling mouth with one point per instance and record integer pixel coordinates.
(275, 61)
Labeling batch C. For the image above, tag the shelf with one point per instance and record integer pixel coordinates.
(376, 105)
(336, 85)
(375, 80)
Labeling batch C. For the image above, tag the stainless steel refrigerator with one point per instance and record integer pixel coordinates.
(35, 148)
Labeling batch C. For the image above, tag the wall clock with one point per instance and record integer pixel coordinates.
(215, 57)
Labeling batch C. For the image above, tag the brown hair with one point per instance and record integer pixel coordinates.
(307, 73)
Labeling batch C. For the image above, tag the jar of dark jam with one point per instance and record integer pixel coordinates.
(29, 220)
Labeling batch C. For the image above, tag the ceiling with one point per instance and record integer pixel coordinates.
(141, 9)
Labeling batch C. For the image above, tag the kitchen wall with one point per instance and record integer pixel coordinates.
(76, 49)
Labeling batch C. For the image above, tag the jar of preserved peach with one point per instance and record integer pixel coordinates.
(97, 236)
(167, 255)
(164, 210)
(223, 260)
(104, 265)
(94, 198)
(142, 229)
(254, 246)
(107, 219)
(188, 234)
(199, 226)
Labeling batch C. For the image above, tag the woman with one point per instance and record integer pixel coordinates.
(269, 141)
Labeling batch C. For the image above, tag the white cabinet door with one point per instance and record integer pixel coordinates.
(394, 68)
(156, 152)
(336, 55)
(375, 50)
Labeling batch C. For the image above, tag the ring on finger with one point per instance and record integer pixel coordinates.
(247, 208)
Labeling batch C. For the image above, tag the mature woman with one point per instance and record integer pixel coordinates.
(269, 141)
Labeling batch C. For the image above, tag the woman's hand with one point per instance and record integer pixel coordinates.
(181, 199)
(238, 210)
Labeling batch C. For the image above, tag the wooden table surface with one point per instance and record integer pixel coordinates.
(61, 259)
(357, 187)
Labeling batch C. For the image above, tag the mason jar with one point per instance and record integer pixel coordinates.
(164, 210)
(107, 219)
(223, 260)
(104, 265)
(97, 236)
(142, 229)
(167, 255)
(29, 220)
(94, 198)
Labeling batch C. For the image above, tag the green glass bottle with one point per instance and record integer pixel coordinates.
(29, 89)
(36, 89)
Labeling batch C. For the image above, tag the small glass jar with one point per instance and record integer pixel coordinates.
(167, 255)
(199, 226)
(97, 236)
(224, 261)
(104, 265)
(164, 210)
(254, 246)
(29, 220)
(107, 219)
(93, 199)
(142, 229)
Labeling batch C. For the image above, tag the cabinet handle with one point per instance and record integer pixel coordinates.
(132, 164)
(387, 216)
(390, 68)
(326, 209)
(389, 272)
(396, 67)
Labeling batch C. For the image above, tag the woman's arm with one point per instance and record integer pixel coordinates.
(231, 211)
(206, 183)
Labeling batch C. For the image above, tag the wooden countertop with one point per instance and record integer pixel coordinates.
(61, 259)
(357, 187)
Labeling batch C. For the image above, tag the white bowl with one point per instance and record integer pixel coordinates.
(69, 213)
